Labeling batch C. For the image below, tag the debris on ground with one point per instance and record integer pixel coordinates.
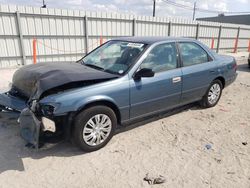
(154, 180)
(244, 143)
(224, 110)
(217, 160)
(208, 146)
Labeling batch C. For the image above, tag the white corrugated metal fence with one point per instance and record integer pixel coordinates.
(66, 35)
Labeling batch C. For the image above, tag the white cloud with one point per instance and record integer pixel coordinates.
(106, 8)
(139, 7)
(214, 5)
(244, 1)
(222, 6)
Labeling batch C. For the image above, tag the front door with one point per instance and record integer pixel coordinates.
(163, 91)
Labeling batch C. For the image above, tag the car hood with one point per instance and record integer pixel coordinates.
(32, 81)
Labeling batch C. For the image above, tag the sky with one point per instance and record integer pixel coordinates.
(141, 7)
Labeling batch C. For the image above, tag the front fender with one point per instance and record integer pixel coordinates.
(81, 103)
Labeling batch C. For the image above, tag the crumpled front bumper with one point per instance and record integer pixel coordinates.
(30, 127)
(9, 102)
(29, 123)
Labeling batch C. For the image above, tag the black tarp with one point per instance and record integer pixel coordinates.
(33, 80)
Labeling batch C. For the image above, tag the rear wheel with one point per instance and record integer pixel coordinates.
(94, 127)
(213, 94)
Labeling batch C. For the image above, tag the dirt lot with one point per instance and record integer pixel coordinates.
(173, 146)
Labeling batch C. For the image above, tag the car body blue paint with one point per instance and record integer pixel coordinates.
(138, 98)
(76, 99)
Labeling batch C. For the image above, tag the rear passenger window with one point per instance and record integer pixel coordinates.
(161, 58)
(192, 54)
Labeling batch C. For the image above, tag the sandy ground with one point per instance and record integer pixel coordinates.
(173, 145)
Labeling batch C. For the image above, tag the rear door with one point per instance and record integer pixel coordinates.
(198, 71)
(162, 91)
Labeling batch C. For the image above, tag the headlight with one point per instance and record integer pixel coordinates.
(47, 110)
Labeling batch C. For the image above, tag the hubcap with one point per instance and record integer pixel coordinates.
(214, 93)
(97, 129)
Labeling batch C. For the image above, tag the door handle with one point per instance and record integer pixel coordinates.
(212, 71)
(176, 79)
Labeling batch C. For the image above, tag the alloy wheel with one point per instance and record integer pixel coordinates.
(97, 129)
(214, 93)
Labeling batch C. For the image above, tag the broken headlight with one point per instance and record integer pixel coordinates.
(47, 110)
(41, 109)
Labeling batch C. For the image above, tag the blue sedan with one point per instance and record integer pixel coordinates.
(123, 80)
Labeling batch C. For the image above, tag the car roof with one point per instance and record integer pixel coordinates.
(152, 40)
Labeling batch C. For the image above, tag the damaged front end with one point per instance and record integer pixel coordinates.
(33, 83)
(33, 123)
(30, 127)
(36, 123)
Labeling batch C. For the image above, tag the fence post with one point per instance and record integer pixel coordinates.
(218, 41)
(34, 51)
(101, 40)
(86, 34)
(18, 21)
(134, 27)
(212, 43)
(197, 31)
(169, 28)
(236, 41)
(249, 46)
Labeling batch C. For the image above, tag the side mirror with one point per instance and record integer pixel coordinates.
(144, 73)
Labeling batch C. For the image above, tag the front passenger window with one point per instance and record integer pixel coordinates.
(161, 58)
(192, 54)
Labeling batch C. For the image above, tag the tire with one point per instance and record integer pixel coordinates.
(207, 101)
(86, 127)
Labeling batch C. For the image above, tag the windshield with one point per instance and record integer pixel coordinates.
(114, 57)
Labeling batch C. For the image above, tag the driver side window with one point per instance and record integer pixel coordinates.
(161, 58)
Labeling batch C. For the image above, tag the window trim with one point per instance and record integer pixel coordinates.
(210, 59)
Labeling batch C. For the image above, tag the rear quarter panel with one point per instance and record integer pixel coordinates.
(227, 68)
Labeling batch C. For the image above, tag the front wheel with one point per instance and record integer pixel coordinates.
(94, 127)
(213, 94)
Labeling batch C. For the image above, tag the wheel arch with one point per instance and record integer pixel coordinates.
(222, 79)
(69, 119)
(102, 102)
